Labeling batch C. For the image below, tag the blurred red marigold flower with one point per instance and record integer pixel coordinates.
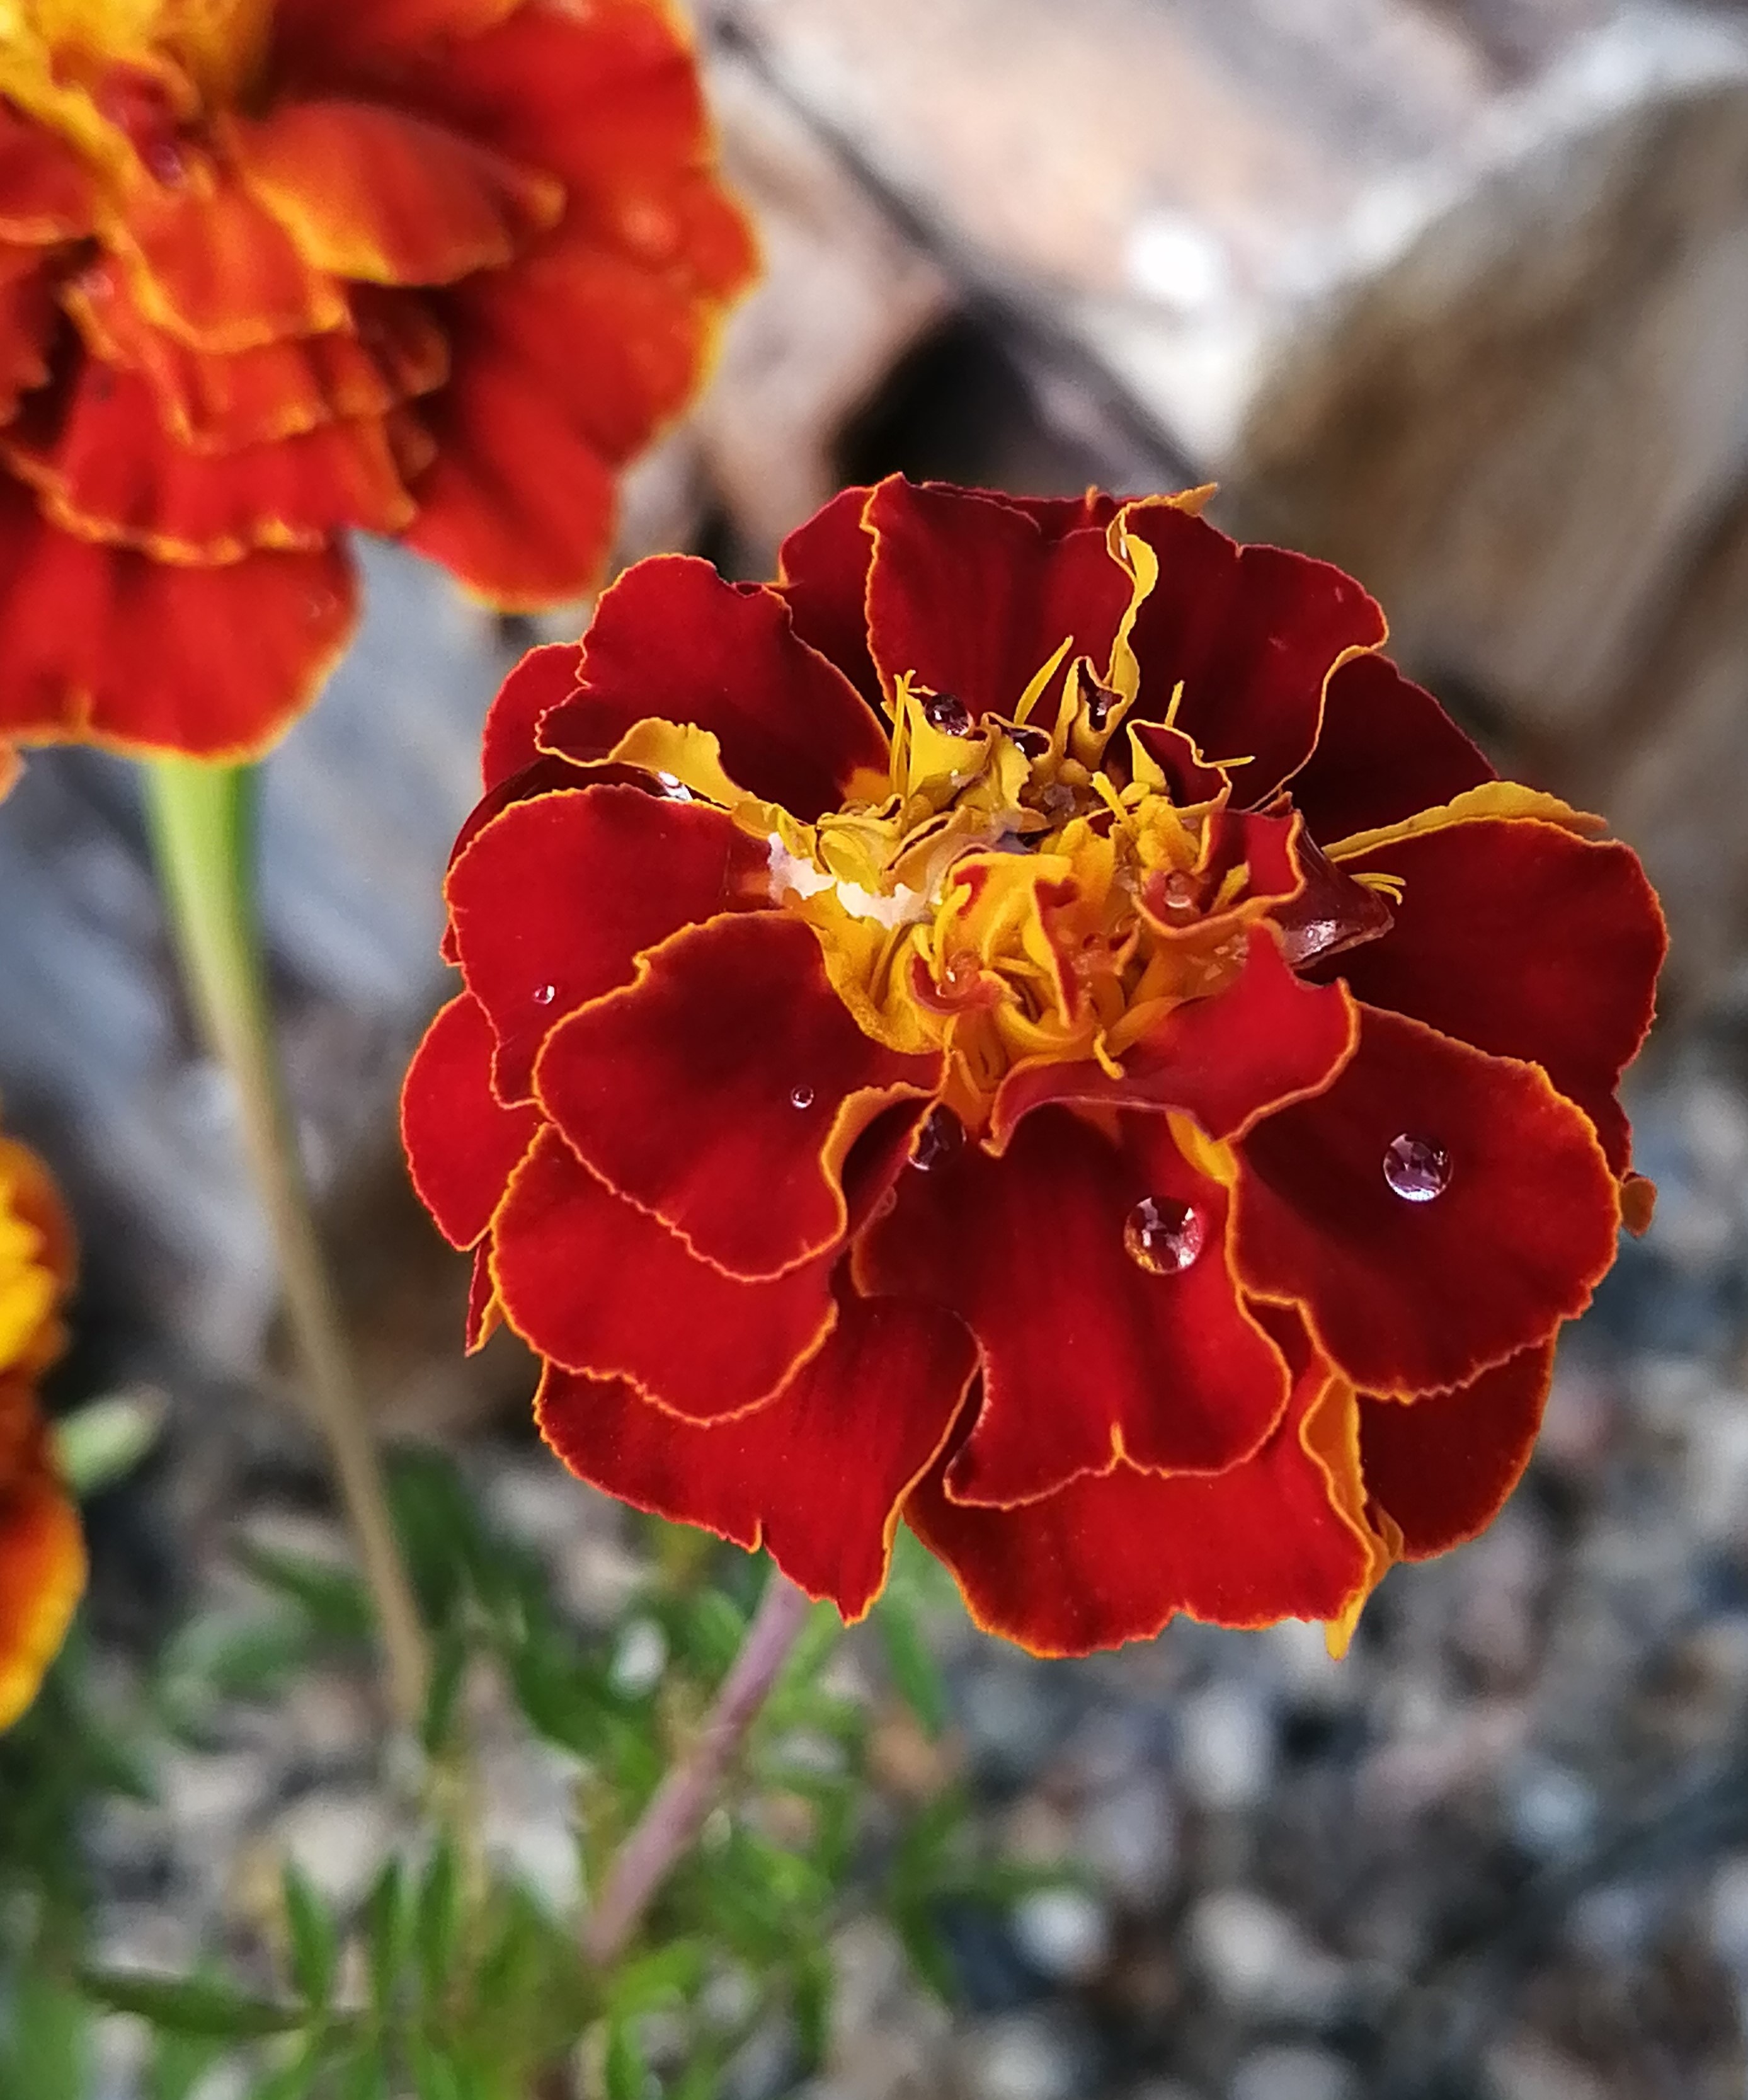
(271, 271)
(42, 1553)
(1030, 1024)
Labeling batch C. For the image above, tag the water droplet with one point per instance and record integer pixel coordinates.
(1164, 1235)
(165, 160)
(801, 1097)
(1178, 893)
(545, 995)
(673, 787)
(949, 714)
(941, 1136)
(1101, 705)
(1416, 1169)
(1028, 742)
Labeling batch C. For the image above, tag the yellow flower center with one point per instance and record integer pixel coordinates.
(115, 77)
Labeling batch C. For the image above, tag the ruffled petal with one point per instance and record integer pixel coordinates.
(1265, 1040)
(555, 899)
(106, 469)
(596, 1285)
(544, 677)
(816, 1477)
(725, 1090)
(102, 644)
(27, 323)
(512, 505)
(375, 193)
(672, 639)
(211, 265)
(822, 571)
(1109, 1559)
(608, 99)
(1386, 750)
(1526, 941)
(1090, 1356)
(42, 1566)
(46, 193)
(1405, 1295)
(392, 350)
(1442, 1466)
(1251, 633)
(969, 595)
(462, 1144)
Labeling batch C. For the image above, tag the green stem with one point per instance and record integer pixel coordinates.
(202, 818)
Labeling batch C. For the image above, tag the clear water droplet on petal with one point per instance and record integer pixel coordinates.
(1165, 1235)
(801, 1097)
(941, 1136)
(673, 787)
(545, 995)
(949, 714)
(1415, 1168)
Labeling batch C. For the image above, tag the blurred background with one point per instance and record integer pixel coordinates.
(1456, 294)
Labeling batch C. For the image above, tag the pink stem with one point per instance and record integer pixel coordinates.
(683, 1800)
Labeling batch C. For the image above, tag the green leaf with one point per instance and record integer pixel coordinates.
(191, 2005)
(709, 1630)
(813, 1646)
(103, 1442)
(449, 1661)
(45, 2042)
(627, 2074)
(333, 1599)
(314, 1942)
(366, 2078)
(675, 1970)
(178, 2064)
(437, 1926)
(916, 1676)
(816, 1984)
(433, 2076)
(387, 1919)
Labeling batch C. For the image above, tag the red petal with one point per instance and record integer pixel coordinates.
(724, 1091)
(822, 571)
(608, 99)
(1443, 1465)
(347, 36)
(211, 266)
(1526, 941)
(816, 1477)
(462, 1144)
(617, 348)
(1386, 751)
(672, 639)
(105, 646)
(1405, 1296)
(109, 470)
(375, 193)
(556, 899)
(1265, 1040)
(517, 509)
(1088, 1357)
(27, 323)
(970, 595)
(1112, 1560)
(41, 1553)
(599, 1286)
(1252, 633)
(544, 677)
(46, 194)
(391, 351)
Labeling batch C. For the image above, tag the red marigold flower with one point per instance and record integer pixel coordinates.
(42, 1553)
(1031, 1025)
(273, 270)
